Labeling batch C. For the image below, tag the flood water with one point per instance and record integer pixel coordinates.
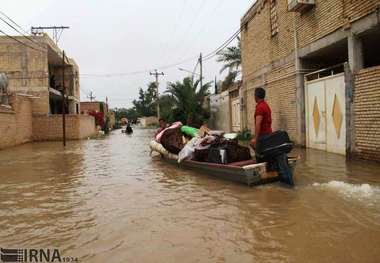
(107, 200)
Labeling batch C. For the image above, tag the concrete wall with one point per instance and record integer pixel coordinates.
(49, 127)
(27, 70)
(16, 122)
(367, 113)
(148, 121)
(220, 118)
(87, 106)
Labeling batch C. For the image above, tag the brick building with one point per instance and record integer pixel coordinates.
(99, 106)
(34, 71)
(319, 62)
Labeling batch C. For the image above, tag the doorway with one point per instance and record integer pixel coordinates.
(325, 111)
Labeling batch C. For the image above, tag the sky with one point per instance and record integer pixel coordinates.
(124, 36)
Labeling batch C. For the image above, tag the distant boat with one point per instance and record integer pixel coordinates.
(128, 129)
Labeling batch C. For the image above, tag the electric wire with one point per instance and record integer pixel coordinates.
(208, 56)
(19, 41)
(18, 30)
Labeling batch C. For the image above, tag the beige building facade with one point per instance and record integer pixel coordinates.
(320, 64)
(35, 69)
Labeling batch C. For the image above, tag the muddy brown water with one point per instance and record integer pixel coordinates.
(108, 201)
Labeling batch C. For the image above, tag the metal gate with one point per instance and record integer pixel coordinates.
(325, 110)
(235, 114)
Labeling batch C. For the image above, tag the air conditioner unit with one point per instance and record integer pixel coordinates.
(300, 5)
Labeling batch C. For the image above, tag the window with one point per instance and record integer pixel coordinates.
(273, 17)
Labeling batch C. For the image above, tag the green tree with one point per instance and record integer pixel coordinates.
(231, 57)
(188, 100)
(167, 107)
(130, 114)
(145, 105)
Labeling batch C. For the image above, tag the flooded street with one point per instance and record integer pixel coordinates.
(107, 200)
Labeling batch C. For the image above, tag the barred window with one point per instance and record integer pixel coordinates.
(273, 17)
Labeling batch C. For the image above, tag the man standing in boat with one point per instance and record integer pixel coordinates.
(263, 117)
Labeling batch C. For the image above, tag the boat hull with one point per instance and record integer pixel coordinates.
(249, 174)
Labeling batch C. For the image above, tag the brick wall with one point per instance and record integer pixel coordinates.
(281, 97)
(259, 48)
(49, 127)
(148, 121)
(367, 113)
(268, 60)
(88, 106)
(16, 122)
(329, 15)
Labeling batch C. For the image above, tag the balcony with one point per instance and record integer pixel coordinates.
(300, 5)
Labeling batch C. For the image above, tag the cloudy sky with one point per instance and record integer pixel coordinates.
(123, 36)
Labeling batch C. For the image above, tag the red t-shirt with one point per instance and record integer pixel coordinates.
(263, 109)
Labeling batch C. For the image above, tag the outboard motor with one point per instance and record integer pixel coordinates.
(273, 149)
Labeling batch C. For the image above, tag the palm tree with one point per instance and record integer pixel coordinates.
(188, 100)
(231, 57)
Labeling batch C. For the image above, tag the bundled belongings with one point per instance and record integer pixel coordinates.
(273, 149)
(228, 151)
(175, 125)
(172, 141)
(189, 131)
(194, 146)
(157, 147)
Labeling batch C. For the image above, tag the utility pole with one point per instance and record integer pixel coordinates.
(91, 97)
(201, 70)
(156, 74)
(63, 100)
(57, 31)
(216, 86)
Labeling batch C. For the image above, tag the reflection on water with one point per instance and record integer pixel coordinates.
(108, 201)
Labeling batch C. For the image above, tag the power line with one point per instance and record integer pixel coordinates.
(140, 71)
(17, 30)
(197, 13)
(223, 46)
(10, 19)
(208, 56)
(205, 29)
(22, 43)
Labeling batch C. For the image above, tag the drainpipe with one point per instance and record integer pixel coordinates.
(295, 43)
(300, 93)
